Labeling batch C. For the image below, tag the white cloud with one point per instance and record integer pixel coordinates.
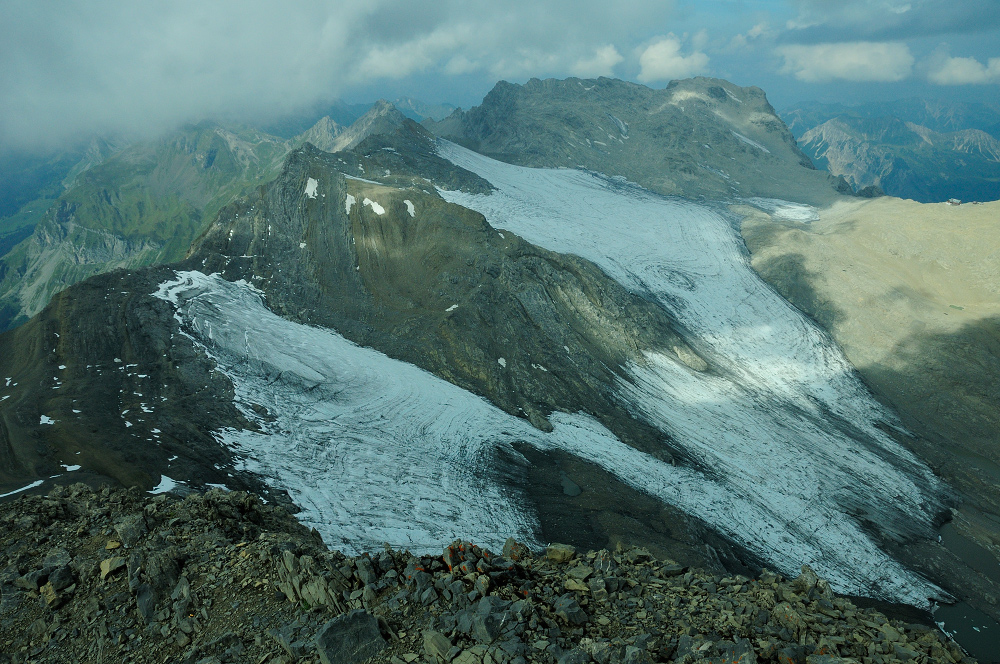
(754, 34)
(663, 61)
(602, 63)
(141, 67)
(812, 13)
(851, 61)
(946, 70)
(416, 55)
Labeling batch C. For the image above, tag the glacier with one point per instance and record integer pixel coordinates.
(797, 465)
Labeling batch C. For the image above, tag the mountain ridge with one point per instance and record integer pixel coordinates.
(702, 138)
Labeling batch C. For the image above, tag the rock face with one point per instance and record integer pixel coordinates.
(104, 378)
(76, 365)
(697, 138)
(907, 160)
(433, 284)
(222, 578)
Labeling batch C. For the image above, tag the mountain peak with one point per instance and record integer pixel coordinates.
(381, 118)
(697, 138)
(323, 134)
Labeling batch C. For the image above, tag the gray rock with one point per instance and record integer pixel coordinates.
(567, 608)
(560, 553)
(349, 639)
(575, 656)
(130, 529)
(436, 645)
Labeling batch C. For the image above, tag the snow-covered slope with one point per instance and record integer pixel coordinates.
(377, 450)
(783, 421)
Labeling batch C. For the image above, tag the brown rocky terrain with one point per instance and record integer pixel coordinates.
(909, 291)
(112, 575)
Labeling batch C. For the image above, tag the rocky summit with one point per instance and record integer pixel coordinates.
(115, 575)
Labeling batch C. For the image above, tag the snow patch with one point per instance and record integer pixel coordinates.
(23, 488)
(70, 469)
(45, 419)
(302, 245)
(166, 484)
(451, 308)
(376, 208)
(409, 208)
(349, 203)
(749, 141)
(311, 185)
(502, 362)
(786, 210)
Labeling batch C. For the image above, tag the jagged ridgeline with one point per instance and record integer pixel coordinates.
(431, 283)
(699, 138)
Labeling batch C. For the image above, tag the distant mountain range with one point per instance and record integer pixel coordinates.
(923, 150)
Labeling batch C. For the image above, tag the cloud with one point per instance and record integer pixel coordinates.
(119, 66)
(943, 69)
(663, 61)
(755, 34)
(850, 61)
(818, 21)
(602, 63)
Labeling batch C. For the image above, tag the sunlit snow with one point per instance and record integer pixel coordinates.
(45, 419)
(376, 208)
(348, 203)
(784, 423)
(23, 488)
(311, 185)
(750, 141)
(409, 208)
(166, 484)
(375, 450)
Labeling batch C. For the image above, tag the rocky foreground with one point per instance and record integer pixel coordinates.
(113, 575)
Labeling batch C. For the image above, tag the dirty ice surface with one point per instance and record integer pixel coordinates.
(800, 465)
(376, 450)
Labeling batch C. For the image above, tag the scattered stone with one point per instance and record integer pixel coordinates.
(227, 564)
(350, 639)
(111, 565)
(436, 645)
(560, 553)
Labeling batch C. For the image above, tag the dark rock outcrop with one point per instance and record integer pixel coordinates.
(222, 578)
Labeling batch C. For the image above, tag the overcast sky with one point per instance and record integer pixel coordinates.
(73, 68)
